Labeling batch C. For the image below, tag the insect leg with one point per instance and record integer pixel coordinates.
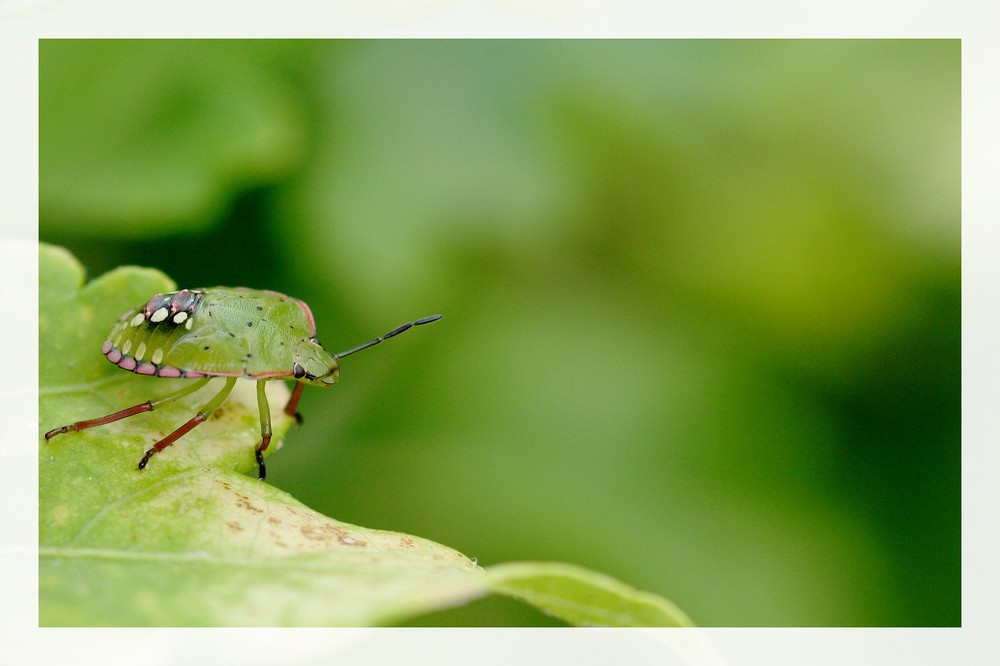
(265, 425)
(293, 402)
(147, 406)
(202, 414)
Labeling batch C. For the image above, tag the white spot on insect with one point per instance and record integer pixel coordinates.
(180, 317)
(127, 347)
(138, 319)
(188, 324)
(118, 340)
(140, 350)
(158, 316)
(157, 356)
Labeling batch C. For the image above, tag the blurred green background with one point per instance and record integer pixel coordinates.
(701, 298)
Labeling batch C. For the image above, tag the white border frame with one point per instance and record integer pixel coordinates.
(23, 22)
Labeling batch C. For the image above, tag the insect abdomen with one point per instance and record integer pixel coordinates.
(141, 339)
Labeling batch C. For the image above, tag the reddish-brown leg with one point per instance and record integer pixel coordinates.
(171, 438)
(147, 406)
(293, 402)
(202, 414)
(110, 418)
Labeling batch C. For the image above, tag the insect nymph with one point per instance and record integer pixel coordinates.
(222, 332)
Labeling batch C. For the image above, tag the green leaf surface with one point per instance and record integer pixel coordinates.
(583, 597)
(193, 540)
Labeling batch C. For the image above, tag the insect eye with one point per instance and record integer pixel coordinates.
(298, 371)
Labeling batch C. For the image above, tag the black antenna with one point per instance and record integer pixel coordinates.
(393, 332)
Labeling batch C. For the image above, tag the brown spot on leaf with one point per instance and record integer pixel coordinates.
(244, 503)
(326, 532)
(316, 532)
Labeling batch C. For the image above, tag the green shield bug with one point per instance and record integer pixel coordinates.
(222, 332)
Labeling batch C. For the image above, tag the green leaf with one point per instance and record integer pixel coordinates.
(193, 541)
(582, 597)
